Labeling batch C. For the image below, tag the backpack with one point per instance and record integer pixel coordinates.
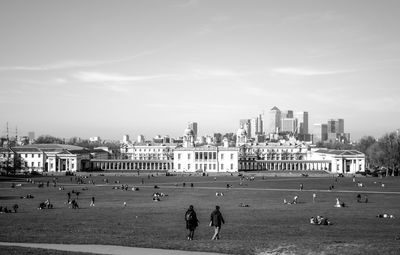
(189, 216)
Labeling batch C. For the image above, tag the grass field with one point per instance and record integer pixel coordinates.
(267, 226)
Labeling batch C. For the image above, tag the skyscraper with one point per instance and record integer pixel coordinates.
(260, 123)
(272, 121)
(302, 122)
(289, 125)
(193, 126)
(254, 127)
(320, 133)
(246, 125)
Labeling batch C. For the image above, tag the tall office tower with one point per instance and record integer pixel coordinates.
(254, 127)
(260, 124)
(289, 125)
(246, 125)
(193, 126)
(320, 133)
(272, 121)
(332, 126)
(287, 114)
(125, 139)
(336, 126)
(340, 126)
(31, 135)
(302, 122)
(140, 139)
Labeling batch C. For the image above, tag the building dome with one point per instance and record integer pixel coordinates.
(241, 132)
(188, 132)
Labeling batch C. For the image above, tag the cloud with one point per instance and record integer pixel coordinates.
(72, 64)
(113, 77)
(300, 71)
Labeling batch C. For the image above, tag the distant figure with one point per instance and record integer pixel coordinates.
(216, 220)
(15, 207)
(191, 222)
(314, 197)
(301, 186)
(92, 202)
(366, 199)
(183, 184)
(191, 185)
(358, 198)
(124, 204)
(142, 181)
(295, 200)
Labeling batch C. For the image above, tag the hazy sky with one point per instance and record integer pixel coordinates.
(109, 68)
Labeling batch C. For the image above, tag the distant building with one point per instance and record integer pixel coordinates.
(94, 139)
(31, 135)
(287, 114)
(341, 161)
(140, 139)
(302, 123)
(320, 133)
(272, 121)
(246, 125)
(260, 123)
(289, 125)
(125, 139)
(193, 126)
(253, 127)
(206, 159)
(52, 158)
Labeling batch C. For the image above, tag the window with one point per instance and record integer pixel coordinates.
(179, 165)
(196, 166)
(222, 156)
(189, 156)
(51, 165)
(72, 166)
(32, 164)
(337, 167)
(222, 166)
(201, 155)
(188, 166)
(231, 166)
(38, 164)
(214, 166)
(359, 167)
(179, 157)
(214, 155)
(205, 156)
(231, 155)
(196, 156)
(33, 155)
(26, 155)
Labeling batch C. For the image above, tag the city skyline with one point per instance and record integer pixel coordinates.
(102, 68)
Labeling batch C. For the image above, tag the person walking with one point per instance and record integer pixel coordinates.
(216, 220)
(92, 202)
(191, 221)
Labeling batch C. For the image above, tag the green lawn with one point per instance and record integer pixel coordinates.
(267, 226)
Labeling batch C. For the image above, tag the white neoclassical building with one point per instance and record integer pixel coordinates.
(341, 161)
(206, 159)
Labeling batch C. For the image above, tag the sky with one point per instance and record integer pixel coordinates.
(109, 68)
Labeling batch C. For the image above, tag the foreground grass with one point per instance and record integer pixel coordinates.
(267, 226)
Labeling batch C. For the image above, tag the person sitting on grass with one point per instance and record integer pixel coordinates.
(15, 207)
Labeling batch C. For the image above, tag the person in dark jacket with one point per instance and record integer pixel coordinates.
(216, 220)
(191, 221)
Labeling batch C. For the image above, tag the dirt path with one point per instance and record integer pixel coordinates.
(106, 249)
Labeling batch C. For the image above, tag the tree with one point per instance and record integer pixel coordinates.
(46, 139)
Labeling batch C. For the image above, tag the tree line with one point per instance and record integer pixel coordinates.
(382, 154)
